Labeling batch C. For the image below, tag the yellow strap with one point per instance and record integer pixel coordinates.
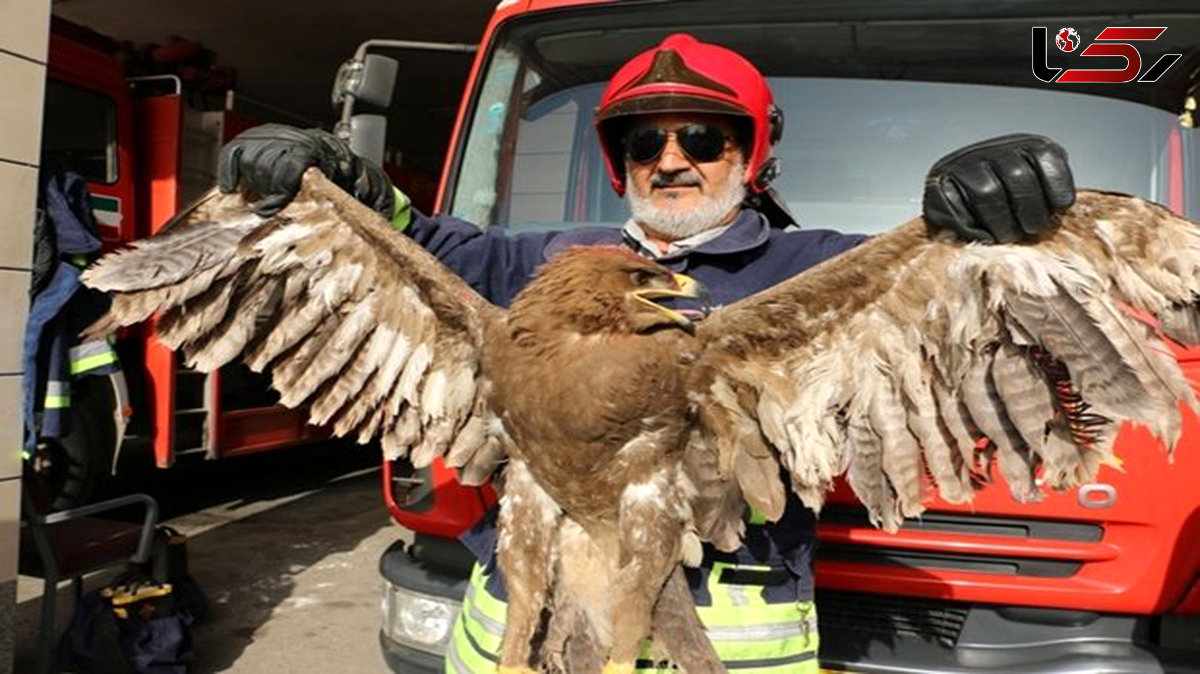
(129, 595)
(401, 211)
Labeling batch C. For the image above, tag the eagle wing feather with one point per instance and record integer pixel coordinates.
(910, 360)
(355, 321)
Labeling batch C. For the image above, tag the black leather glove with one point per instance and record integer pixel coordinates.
(270, 160)
(999, 190)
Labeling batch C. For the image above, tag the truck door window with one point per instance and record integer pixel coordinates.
(475, 196)
(79, 132)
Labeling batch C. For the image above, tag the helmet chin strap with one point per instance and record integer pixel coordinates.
(772, 205)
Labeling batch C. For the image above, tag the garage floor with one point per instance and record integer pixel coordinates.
(291, 578)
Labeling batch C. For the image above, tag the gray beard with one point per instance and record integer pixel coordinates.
(680, 224)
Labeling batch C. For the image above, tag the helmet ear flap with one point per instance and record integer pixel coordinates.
(774, 124)
(769, 171)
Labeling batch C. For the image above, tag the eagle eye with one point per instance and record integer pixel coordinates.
(640, 277)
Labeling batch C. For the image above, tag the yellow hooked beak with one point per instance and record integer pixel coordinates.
(687, 287)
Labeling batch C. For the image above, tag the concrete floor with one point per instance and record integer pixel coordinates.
(290, 576)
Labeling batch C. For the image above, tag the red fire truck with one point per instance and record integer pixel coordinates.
(1105, 577)
(146, 148)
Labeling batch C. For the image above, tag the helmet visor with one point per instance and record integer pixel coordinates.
(641, 105)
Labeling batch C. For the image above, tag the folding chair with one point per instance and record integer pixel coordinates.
(70, 543)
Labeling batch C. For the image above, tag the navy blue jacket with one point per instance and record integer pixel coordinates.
(748, 257)
(60, 307)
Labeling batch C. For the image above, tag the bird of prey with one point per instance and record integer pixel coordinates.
(622, 433)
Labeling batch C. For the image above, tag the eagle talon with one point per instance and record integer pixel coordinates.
(618, 668)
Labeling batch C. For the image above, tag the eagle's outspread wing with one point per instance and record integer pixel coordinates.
(893, 362)
(351, 318)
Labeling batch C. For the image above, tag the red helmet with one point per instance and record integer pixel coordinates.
(685, 75)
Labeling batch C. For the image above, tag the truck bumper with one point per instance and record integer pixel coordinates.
(424, 584)
(894, 635)
(405, 660)
(859, 632)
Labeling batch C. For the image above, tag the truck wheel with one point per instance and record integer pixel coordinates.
(75, 465)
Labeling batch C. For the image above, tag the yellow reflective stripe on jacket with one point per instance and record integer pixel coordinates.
(91, 355)
(463, 657)
(475, 638)
(743, 627)
(58, 395)
(749, 635)
(484, 613)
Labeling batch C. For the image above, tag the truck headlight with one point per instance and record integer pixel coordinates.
(418, 620)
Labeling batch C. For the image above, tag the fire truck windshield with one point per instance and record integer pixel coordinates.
(854, 153)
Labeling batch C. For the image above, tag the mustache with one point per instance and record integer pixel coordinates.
(680, 179)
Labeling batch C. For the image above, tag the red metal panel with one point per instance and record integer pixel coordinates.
(160, 122)
(1175, 171)
(216, 420)
(262, 429)
(1191, 601)
(235, 123)
(537, 5)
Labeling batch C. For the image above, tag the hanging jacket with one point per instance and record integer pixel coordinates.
(65, 241)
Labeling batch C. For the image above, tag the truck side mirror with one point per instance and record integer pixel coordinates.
(371, 79)
(368, 137)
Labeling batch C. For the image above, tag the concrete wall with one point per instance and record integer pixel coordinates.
(24, 35)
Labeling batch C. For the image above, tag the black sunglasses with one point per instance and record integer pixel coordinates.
(700, 142)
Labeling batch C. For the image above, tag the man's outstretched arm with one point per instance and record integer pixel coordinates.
(269, 161)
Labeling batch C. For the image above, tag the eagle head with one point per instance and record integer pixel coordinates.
(605, 289)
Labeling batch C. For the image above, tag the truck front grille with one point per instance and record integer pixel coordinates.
(886, 617)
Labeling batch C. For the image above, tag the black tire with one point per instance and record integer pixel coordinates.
(74, 466)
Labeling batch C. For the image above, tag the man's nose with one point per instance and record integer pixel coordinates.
(672, 158)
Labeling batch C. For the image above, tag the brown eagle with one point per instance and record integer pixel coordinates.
(628, 432)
